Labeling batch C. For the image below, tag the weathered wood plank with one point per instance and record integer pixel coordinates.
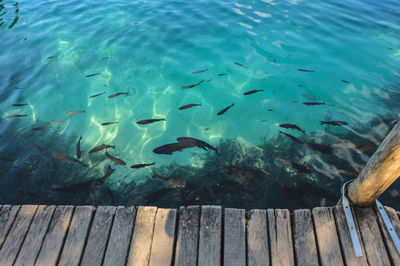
(210, 235)
(76, 237)
(34, 239)
(16, 236)
(280, 235)
(55, 236)
(186, 251)
(120, 237)
(7, 217)
(163, 237)
(327, 237)
(235, 237)
(349, 255)
(305, 246)
(371, 236)
(257, 238)
(139, 252)
(391, 248)
(99, 232)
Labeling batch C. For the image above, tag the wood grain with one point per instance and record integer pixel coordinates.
(7, 217)
(210, 235)
(234, 237)
(257, 238)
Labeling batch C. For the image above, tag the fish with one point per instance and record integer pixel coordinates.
(34, 146)
(223, 111)
(40, 128)
(67, 159)
(51, 57)
(270, 110)
(6, 159)
(105, 58)
(19, 104)
(115, 160)
(75, 112)
(188, 141)
(78, 148)
(173, 182)
(365, 147)
(200, 71)
(108, 123)
(292, 137)
(322, 148)
(239, 64)
(348, 173)
(388, 121)
(91, 75)
(190, 105)
(169, 148)
(220, 75)
(251, 92)
(305, 70)
(97, 94)
(101, 147)
(148, 121)
(15, 116)
(117, 94)
(56, 122)
(191, 86)
(291, 126)
(334, 123)
(345, 81)
(298, 167)
(141, 165)
(84, 186)
(18, 88)
(243, 172)
(208, 80)
(313, 103)
(148, 70)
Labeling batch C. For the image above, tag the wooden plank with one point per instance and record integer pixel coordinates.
(327, 237)
(391, 248)
(188, 235)
(55, 236)
(76, 237)
(7, 217)
(16, 236)
(305, 246)
(280, 235)
(257, 238)
(34, 239)
(163, 237)
(210, 235)
(235, 237)
(139, 252)
(349, 255)
(371, 236)
(99, 232)
(120, 237)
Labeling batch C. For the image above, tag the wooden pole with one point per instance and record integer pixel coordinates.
(382, 169)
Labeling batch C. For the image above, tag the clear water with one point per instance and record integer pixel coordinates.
(150, 49)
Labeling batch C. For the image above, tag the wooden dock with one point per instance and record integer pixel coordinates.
(194, 235)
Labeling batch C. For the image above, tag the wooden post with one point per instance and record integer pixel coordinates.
(382, 169)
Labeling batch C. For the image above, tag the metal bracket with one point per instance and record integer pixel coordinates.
(350, 223)
(389, 225)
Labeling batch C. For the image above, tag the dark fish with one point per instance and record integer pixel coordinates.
(243, 172)
(108, 123)
(188, 141)
(334, 123)
(40, 128)
(291, 126)
(97, 94)
(169, 148)
(365, 147)
(75, 112)
(322, 148)
(148, 70)
(51, 57)
(115, 160)
(251, 92)
(136, 166)
(239, 64)
(78, 148)
(34, 146)
(388, 121)
(221, 75)
(148, 121)
(101, 147)
(208, 80)
(199, 71)
(15, 116)
(390, 49)
(173, 182)
(91, 75)
(6, 159)
(62, 157)
(56, 122)
(19, 104)
(348, 173)
(313, 103)
(305, 70)
(292, 137)
(105, 58)
(18, 88)
(345, 81)
(117, 94)
(190, 105)
(270, 110)
(225, 109)
(191, 86)
(298, 167)
(274, 60)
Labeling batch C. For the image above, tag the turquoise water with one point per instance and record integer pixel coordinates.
(150, 50)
